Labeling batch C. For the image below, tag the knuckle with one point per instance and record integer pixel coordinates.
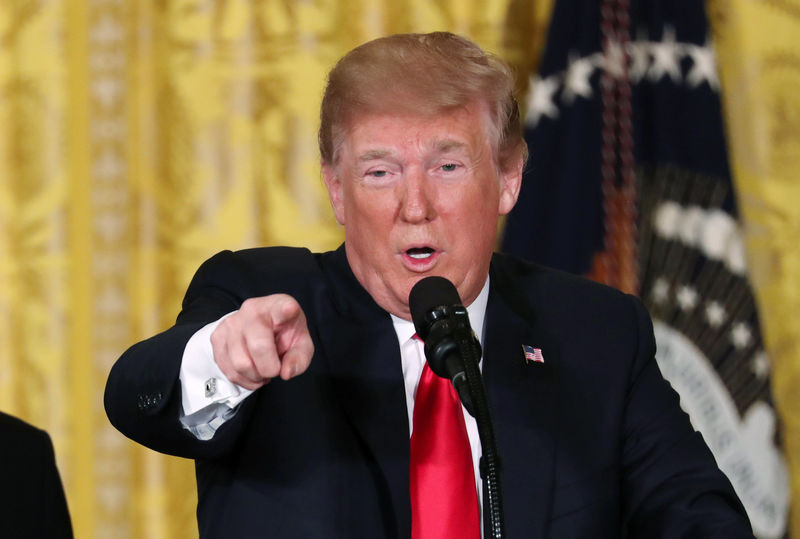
(241, 364)
(247, 307)
(258, 346)
(217, 338)
(261, 350)
(269, 369)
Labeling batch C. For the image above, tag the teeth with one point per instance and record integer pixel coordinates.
(420, 253)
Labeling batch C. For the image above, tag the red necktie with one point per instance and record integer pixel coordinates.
(444, 502)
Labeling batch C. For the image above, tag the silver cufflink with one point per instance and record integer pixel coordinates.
(211, 387)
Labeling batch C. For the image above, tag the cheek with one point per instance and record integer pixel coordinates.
(369, 222)
(477, 208)
(358, 210)
(376, 206)
(474, 225)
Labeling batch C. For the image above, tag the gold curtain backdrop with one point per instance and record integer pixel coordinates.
(138, 137)
(758, 56)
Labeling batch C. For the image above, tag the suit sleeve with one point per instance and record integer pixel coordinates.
(671, 483)
(142, 397)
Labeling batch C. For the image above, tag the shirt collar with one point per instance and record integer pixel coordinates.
(476, 310)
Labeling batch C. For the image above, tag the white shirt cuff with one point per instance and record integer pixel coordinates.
(202, 382)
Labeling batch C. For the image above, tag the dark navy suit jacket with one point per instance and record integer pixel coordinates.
(592, 442)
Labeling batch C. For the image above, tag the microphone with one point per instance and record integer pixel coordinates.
(442, 322)
(453, 351)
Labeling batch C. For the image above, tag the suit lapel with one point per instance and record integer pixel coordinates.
(521, 400)
(361, 347)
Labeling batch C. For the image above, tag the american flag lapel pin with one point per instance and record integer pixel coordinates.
(532, 354)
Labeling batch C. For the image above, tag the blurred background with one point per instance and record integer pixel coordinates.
(138, 138)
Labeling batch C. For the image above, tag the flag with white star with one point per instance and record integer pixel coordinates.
(628, 183)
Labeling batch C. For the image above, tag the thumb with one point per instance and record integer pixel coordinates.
(297, 358)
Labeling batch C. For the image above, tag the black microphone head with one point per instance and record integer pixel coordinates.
(425, 297)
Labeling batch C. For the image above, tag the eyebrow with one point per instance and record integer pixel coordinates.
(445, 145)
(441, 146)
(371, 155)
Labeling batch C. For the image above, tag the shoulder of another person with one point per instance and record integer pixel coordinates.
(14, 425)
(23, 434)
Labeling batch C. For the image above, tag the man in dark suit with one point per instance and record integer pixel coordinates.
(32, 502)
(291, 377)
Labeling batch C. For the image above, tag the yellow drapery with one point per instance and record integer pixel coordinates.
(137, 138)
(758, 54)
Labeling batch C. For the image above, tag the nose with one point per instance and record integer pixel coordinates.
(417, 201)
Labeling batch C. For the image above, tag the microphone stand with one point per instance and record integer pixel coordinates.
(469, 349)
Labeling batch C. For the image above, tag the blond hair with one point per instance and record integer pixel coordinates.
(423, 75)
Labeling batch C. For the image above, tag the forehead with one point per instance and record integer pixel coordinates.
(376, 135)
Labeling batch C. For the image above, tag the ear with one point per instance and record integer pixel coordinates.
(333, 182)
(511, 180)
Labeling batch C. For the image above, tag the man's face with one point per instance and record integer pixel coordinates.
(419, 197)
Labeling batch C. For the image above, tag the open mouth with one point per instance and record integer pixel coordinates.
(420, 253)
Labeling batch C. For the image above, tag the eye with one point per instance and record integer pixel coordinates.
(377, 173)
(449, 167)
